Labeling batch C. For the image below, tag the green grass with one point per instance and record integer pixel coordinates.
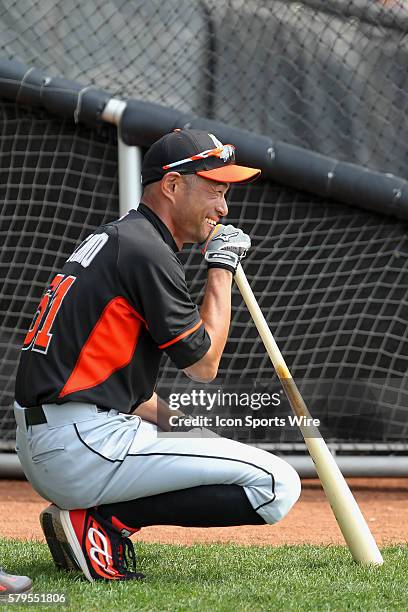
(225, 578)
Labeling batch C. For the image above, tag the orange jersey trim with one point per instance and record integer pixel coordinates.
(181, 336)
(110, 346)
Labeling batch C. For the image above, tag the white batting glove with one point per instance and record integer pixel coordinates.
(225, 247)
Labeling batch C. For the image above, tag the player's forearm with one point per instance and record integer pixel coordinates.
(216, 309)
(216, 315)
(157, 411)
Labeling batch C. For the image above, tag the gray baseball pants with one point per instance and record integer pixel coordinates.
(82, 458)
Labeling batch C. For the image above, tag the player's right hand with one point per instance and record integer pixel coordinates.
(225, 247)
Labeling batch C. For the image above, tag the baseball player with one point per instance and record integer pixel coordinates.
(87, 413)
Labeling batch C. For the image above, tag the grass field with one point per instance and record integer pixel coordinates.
(225, 578)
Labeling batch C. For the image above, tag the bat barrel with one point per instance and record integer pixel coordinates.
(350, 519)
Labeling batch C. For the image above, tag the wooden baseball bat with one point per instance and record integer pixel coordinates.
(345, 508)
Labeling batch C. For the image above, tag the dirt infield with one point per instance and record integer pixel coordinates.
(384, 503)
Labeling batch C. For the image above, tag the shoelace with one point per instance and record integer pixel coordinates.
(124, 556)
(123, 552)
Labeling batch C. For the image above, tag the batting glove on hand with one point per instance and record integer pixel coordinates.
(225, 247)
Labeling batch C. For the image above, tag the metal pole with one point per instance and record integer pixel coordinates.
(129, 161)
(130, 166)
(351, 466)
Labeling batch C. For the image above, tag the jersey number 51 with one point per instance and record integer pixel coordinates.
(38, 337)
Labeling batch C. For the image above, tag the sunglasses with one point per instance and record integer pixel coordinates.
(226, 153)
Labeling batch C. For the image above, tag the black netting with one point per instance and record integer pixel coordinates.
(331, 279)
(332, 282)
(329, 76)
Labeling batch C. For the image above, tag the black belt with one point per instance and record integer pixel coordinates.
(34, 415)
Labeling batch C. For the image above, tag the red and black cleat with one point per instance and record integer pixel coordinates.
(86, 541)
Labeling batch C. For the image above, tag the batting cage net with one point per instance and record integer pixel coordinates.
(327, 76)
(331, 279)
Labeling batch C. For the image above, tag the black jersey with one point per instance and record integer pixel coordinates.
(103, 323)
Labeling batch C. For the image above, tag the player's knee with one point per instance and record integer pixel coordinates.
(287, 492)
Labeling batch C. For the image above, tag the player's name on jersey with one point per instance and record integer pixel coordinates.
(247, 421)
(88, 250)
